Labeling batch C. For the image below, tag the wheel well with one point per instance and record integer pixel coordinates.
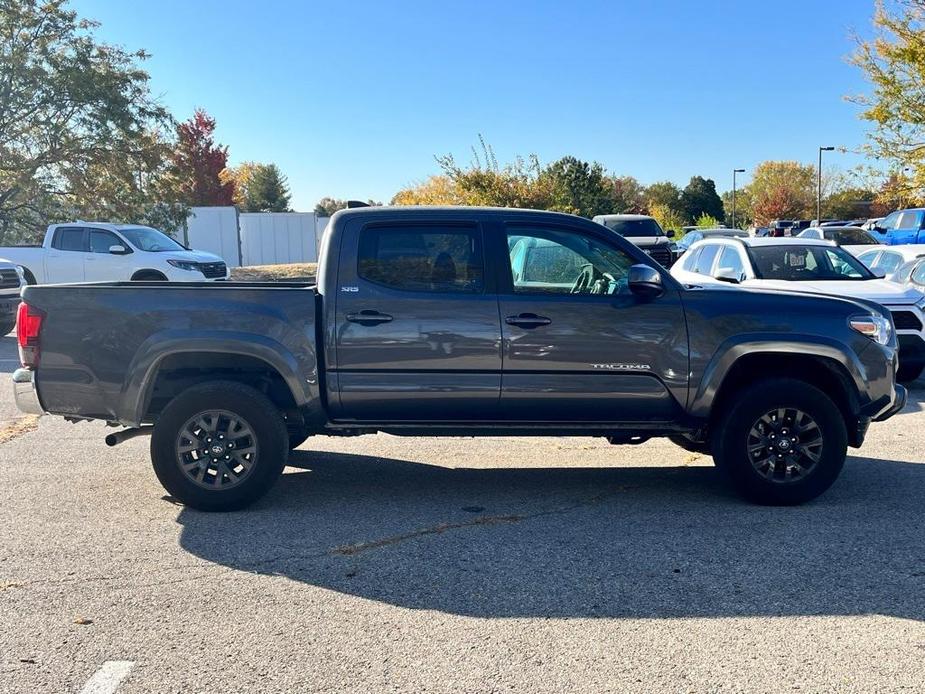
(155, 275)
(178, 372)
(825, 374)
(30, 278)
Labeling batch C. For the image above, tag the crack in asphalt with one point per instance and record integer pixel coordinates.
(259, 566)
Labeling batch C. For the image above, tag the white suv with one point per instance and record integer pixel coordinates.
(808, 265)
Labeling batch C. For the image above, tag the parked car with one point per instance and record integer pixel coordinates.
(781, 227)
(807, 265)
(98, 251)
(901, 227)
(692, 237)
(886, 260)
(428, 321)
(853, 239)
(641, 231)
(911, 273)
(11, 282)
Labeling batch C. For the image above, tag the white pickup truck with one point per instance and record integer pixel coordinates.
(11, 282)
(102, 252)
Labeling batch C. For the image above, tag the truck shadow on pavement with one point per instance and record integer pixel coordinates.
(580, 542)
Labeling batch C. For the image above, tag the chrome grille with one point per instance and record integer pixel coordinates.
(212, 270)
(660, 254)
(8, 279)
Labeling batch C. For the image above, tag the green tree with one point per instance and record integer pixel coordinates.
(894, 62)
(699, 197)
(328, 206)
(743, 208)
(666, 217)
(80, 133)
(848, 203)
(706, 221)
(267, 190)
(578, 187)
(628, 195)
(665, 194)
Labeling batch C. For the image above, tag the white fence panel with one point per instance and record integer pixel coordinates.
(272, 238)
(215, 229)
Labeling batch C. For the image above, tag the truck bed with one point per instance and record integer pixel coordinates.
(102, 342)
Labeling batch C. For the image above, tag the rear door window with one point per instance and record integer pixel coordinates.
(422, 259)
(704, 264)
(70, 239)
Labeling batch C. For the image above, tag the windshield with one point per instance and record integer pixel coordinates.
(849, 236)
(806, 263)
(148, 239)
(634, 228)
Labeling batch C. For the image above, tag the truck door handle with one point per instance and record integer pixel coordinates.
(527, 320)
(369, 318)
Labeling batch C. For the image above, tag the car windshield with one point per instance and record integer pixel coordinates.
(634, 228)
(148, 239)
(806, 263)
(849, 236)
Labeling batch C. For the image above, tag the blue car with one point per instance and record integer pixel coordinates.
(900, 228)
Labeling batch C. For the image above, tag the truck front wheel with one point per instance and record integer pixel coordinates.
(781, 442)
(219, 446)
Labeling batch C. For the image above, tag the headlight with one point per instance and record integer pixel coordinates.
(184, 264)
(877, 328)
(21, 273)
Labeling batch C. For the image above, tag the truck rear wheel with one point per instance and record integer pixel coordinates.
(781, 442)
(219, 446)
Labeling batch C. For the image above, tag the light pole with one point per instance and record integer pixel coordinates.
(819, 185)
(734, 172)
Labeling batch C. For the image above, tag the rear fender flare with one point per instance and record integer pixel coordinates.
(146, 363)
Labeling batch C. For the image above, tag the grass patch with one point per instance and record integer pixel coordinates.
(293, 272)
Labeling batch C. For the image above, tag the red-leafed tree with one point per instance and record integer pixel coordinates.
(197, 162)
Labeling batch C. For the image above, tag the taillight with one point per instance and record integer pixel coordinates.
(28, 326)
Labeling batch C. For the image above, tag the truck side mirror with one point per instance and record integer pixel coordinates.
(645, 281)
(670, 233)
(727, 274)
(118, 250)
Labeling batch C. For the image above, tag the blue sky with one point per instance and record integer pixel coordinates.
(354, 99)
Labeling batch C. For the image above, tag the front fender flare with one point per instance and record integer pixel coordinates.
(733, 349)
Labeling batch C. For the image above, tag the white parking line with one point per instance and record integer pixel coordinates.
(107, 679)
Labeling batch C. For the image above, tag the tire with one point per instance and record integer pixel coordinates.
(247, 466)
(689, 445)
(774, 460)
(910, 372)
(6, 327)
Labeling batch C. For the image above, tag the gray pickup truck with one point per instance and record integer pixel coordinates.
(462, 322)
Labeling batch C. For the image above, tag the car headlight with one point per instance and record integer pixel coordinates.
(184, 264)
(877, 328)
(21, 273)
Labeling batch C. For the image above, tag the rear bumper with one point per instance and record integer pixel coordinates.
(25, 393)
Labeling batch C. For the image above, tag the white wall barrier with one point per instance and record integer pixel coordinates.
(215, 229)
(255, 238)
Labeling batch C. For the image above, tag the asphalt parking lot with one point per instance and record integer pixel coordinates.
(441, 565)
